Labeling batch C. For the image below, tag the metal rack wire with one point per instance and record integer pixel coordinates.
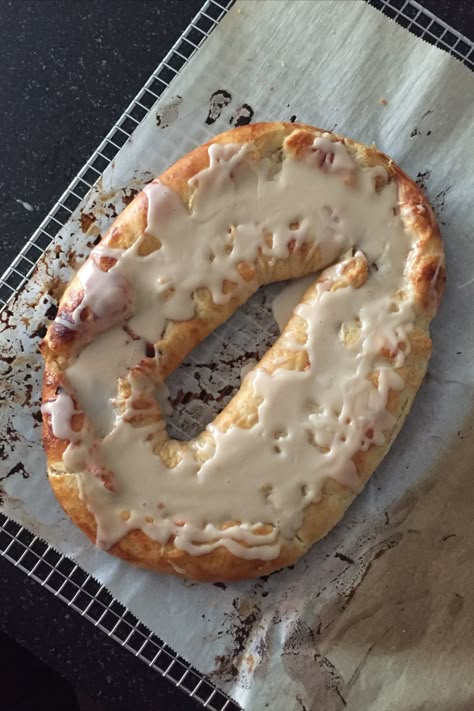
(425, 24)
(80, 591)
(179, 55)
(53, 571)
(58, 574)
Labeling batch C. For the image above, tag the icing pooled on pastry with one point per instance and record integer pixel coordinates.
(245, 487)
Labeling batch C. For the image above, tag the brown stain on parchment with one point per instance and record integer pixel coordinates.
(319, 678)
(402, 636)
(86, 220)
(411, 617)
(242, 624)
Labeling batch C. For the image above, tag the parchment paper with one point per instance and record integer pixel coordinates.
(380, 615)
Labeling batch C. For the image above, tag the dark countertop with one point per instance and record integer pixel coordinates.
(52, 118)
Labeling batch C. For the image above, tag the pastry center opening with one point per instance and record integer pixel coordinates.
(210, 376)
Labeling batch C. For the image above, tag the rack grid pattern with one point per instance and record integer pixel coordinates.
(423, 23)
(80, 591)
(53, 571)
(179, 55)
(58, 574)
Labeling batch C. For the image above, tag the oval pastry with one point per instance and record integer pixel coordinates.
(283, 460)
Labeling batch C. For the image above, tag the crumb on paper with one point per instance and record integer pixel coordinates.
(24, 204)
(383, 101)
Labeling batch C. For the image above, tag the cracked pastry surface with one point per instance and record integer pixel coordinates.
(283, 460)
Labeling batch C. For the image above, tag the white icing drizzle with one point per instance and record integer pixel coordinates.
(103, 250)
(105, 293)
(80, 450)
(331, 156)
(310, 423)
(61, 411)
(94, 375)
(177, 568)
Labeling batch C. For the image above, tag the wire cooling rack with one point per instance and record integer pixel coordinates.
(56, 573)
(425, 24)
(179, 55)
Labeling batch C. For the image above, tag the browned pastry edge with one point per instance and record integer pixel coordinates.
(426, 274)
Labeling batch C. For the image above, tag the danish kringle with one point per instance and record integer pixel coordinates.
(284, 459)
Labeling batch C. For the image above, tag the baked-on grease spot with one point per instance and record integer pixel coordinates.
(243, 116)
(448, 536)
(345, 558)
(183, 398)
(128, 195)
(169, 113)
(37, 416)
(242, 622)
(422, 178)
(112, 212)
(218, 101)
(51, 312)
(221, 586)
(18, 469)
(87, 219)
(265, 578)
(439, 200)
(40, 332)
(416, 132)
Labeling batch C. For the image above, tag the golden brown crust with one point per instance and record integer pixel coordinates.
(427, 277)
